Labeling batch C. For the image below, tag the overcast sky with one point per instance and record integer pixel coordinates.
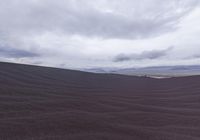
(100, 33)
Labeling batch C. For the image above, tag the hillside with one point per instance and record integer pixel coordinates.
(42, 103)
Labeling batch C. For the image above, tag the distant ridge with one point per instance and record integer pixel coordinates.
(157, 71)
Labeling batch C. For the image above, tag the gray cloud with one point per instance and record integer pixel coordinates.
(196, 56)
(15, 53)
(105, 19)
(153, 54)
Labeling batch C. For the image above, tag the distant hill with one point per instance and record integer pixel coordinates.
(167, 71)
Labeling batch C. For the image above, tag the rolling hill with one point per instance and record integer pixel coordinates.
(42, 103)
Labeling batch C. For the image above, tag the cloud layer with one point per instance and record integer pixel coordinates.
(105, 19)
(153, 54)
(15, 53)
(88, 33)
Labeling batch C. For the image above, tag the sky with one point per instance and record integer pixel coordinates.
(79, 34)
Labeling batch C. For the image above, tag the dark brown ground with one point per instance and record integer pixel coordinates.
(38, 103)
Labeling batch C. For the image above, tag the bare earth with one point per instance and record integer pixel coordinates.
(38, 103)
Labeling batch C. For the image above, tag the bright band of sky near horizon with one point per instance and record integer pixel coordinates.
(100, 33)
